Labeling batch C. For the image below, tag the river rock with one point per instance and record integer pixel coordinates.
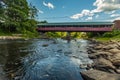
(114, 51)
(108, 47)
(118, 71)
(100, 54)
(98, 47)
(118, 44)
(115, 59)
(99, 75)
(91, 51)
(116, 62)
(45, 45)
(106, 57)
(103, 64)
(59, 50)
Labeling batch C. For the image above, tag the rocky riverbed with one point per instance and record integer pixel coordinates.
(106, 58)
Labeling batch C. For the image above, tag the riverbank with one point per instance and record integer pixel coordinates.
(106, 58)
(17, 36)
(10, 37)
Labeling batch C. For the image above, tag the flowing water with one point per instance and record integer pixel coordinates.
(42, 59)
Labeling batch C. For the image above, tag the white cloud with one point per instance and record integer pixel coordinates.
(118, 18)
(40, 11)
(115, 15)
(89, 18)
(85, 12)
(49, 5)
(110, 12)
(106, 5)
(76, 16)
(113, 19)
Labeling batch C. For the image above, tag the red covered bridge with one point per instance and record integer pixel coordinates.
(76, 27)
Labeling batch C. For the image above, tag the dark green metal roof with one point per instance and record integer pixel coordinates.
(77, 23)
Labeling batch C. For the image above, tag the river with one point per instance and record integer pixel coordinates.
(42, 59)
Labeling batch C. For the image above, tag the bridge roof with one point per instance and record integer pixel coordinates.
(77, 23)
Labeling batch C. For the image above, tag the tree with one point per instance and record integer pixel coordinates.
(1, 11)
(43, 21)
(33, 11)
(18, 14)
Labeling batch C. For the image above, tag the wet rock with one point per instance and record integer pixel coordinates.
(92, 56)
(83, 66)
(89, 67)
(59, 50)
(90, 51)
(54, 42)
(74, 56)
(67, 53)
(99, 75)
(44, 45)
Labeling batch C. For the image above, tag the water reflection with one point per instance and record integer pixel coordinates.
(51, 68)
(10, 58)
(43, 59)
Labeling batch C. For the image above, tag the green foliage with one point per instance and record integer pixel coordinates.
(114, 33)
(18, 17)
(95, 34)
(33, 11)
(2, 16)
(29, 25)
(64, 34)
(56, 34)
(78, 35)
(91, 34)
(28, 34)
(43, 21)
(107, 36)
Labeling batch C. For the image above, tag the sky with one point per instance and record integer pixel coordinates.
(77, 10)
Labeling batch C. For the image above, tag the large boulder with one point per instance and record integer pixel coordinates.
(114, 51)
(100, 54)
(118, 44)
(103, 64)
(98, 47)
(110, 46)
(115, 59)
(99, 75)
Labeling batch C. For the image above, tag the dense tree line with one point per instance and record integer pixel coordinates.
(17, 16)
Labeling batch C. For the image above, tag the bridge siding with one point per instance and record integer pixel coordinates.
(72, 29)
(76, 26)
